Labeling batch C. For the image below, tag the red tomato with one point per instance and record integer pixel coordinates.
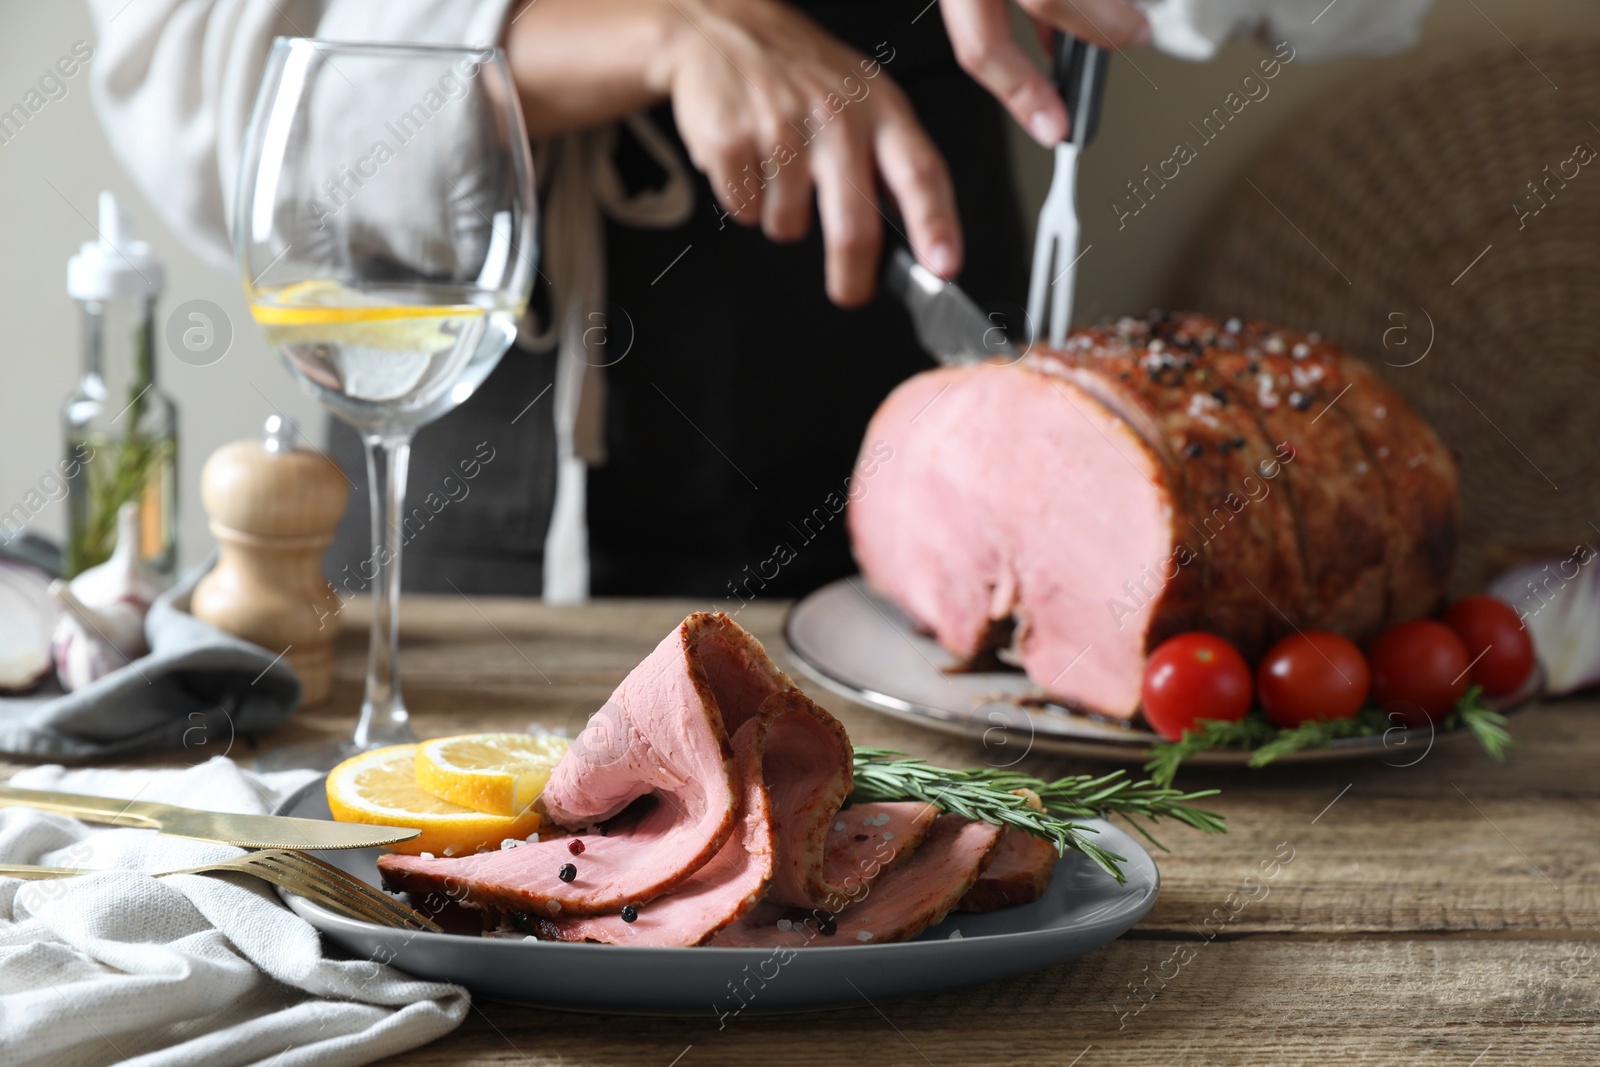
(1191, 677)
(1312, 676)
(1419, 670)
(1498, 644)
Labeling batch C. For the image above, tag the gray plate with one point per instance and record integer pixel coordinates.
(1083, 910)
(863, 647)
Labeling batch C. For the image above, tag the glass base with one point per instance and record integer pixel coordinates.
(324, 755)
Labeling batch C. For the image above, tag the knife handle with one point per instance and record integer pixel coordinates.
(1080, 76)
(106, 810)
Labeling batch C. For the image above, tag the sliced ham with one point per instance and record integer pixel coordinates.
(911, 896)
(1149, 478)
(1019, 873)
(688, 829)
(664, 733)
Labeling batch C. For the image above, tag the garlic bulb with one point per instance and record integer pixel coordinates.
(101, 628)
(1559, 602)
(123, 577)
(90, 643)
(27, 618)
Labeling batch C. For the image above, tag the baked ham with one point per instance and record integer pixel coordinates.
(706, 786)
(1151, 478)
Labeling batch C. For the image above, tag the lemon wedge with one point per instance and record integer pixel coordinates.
(497, 773)
(380, 787)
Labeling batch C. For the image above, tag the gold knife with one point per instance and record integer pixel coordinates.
(244, 831)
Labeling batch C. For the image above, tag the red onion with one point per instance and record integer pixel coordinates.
(1559, 602)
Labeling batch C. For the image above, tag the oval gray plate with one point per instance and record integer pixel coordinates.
(1083, 909)
(863, 647)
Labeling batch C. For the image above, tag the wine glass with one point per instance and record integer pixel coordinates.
(384, 226)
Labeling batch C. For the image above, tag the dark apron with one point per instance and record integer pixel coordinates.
(733, 423)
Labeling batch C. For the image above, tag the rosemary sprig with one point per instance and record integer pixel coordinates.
(1269, 742)
(1486, 724)
(1319, 734)
(987, 795)
(1206, 735)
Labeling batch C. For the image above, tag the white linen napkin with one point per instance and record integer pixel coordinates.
(1317, 29)
(190, 969)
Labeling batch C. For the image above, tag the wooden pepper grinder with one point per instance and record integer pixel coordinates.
(273, 510)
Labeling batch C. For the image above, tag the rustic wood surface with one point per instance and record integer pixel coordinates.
(1446, 912)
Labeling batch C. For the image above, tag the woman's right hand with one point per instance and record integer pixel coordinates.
(770, 106)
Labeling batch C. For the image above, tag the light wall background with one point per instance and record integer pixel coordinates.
(51, 174)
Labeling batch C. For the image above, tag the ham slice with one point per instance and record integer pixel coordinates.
(1019, 873)
(1146, 479)
(909, 897)
(664, 733)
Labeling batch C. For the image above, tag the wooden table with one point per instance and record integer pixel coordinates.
(1440, 913)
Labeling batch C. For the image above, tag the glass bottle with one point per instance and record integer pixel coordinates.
(121, 430)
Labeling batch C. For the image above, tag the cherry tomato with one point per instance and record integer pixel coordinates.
(1419, 670)
(1311, 676)
(1499, 646)
(1191, 677)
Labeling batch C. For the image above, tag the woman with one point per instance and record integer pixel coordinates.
(715, 355)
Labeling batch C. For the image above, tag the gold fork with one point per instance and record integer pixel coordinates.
(295, 871)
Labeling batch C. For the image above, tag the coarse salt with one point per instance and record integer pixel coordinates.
(427, 855)
(888, 836)
(839, 825)
(510, 842)
(785, 924)
(865, 935)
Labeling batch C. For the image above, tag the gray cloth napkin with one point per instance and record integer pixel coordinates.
(198, 689)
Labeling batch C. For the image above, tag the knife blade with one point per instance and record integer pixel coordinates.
(948, 324)
(226, 828)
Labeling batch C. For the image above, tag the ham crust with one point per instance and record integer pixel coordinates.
(1019, 873)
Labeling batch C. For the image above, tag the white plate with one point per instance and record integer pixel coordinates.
(863, 647)
(1083, 909)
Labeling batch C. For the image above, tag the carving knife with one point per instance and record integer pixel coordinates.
(948, 324)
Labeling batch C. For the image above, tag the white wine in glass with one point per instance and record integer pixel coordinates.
(385, 227)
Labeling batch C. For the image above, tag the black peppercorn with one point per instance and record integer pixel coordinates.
(1194, 450)
(1222, 398)
(575, 846)
(567, 872)
(629, 913)
(1237, 442)
(828, 927)
(1299, 401)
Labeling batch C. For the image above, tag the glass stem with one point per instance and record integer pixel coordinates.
(383, 711)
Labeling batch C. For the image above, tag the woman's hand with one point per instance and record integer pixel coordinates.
(770, 106)
(980, 32)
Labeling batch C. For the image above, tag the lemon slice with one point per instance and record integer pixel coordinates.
(498, 773)
(380, 787)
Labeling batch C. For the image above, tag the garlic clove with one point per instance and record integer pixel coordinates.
(89, 643)
(27, 617)
(123, 577)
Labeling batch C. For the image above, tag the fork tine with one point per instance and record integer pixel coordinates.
(356, 886)
(312, 867)
(309, 885)
(1039, 280)
(295, 882)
